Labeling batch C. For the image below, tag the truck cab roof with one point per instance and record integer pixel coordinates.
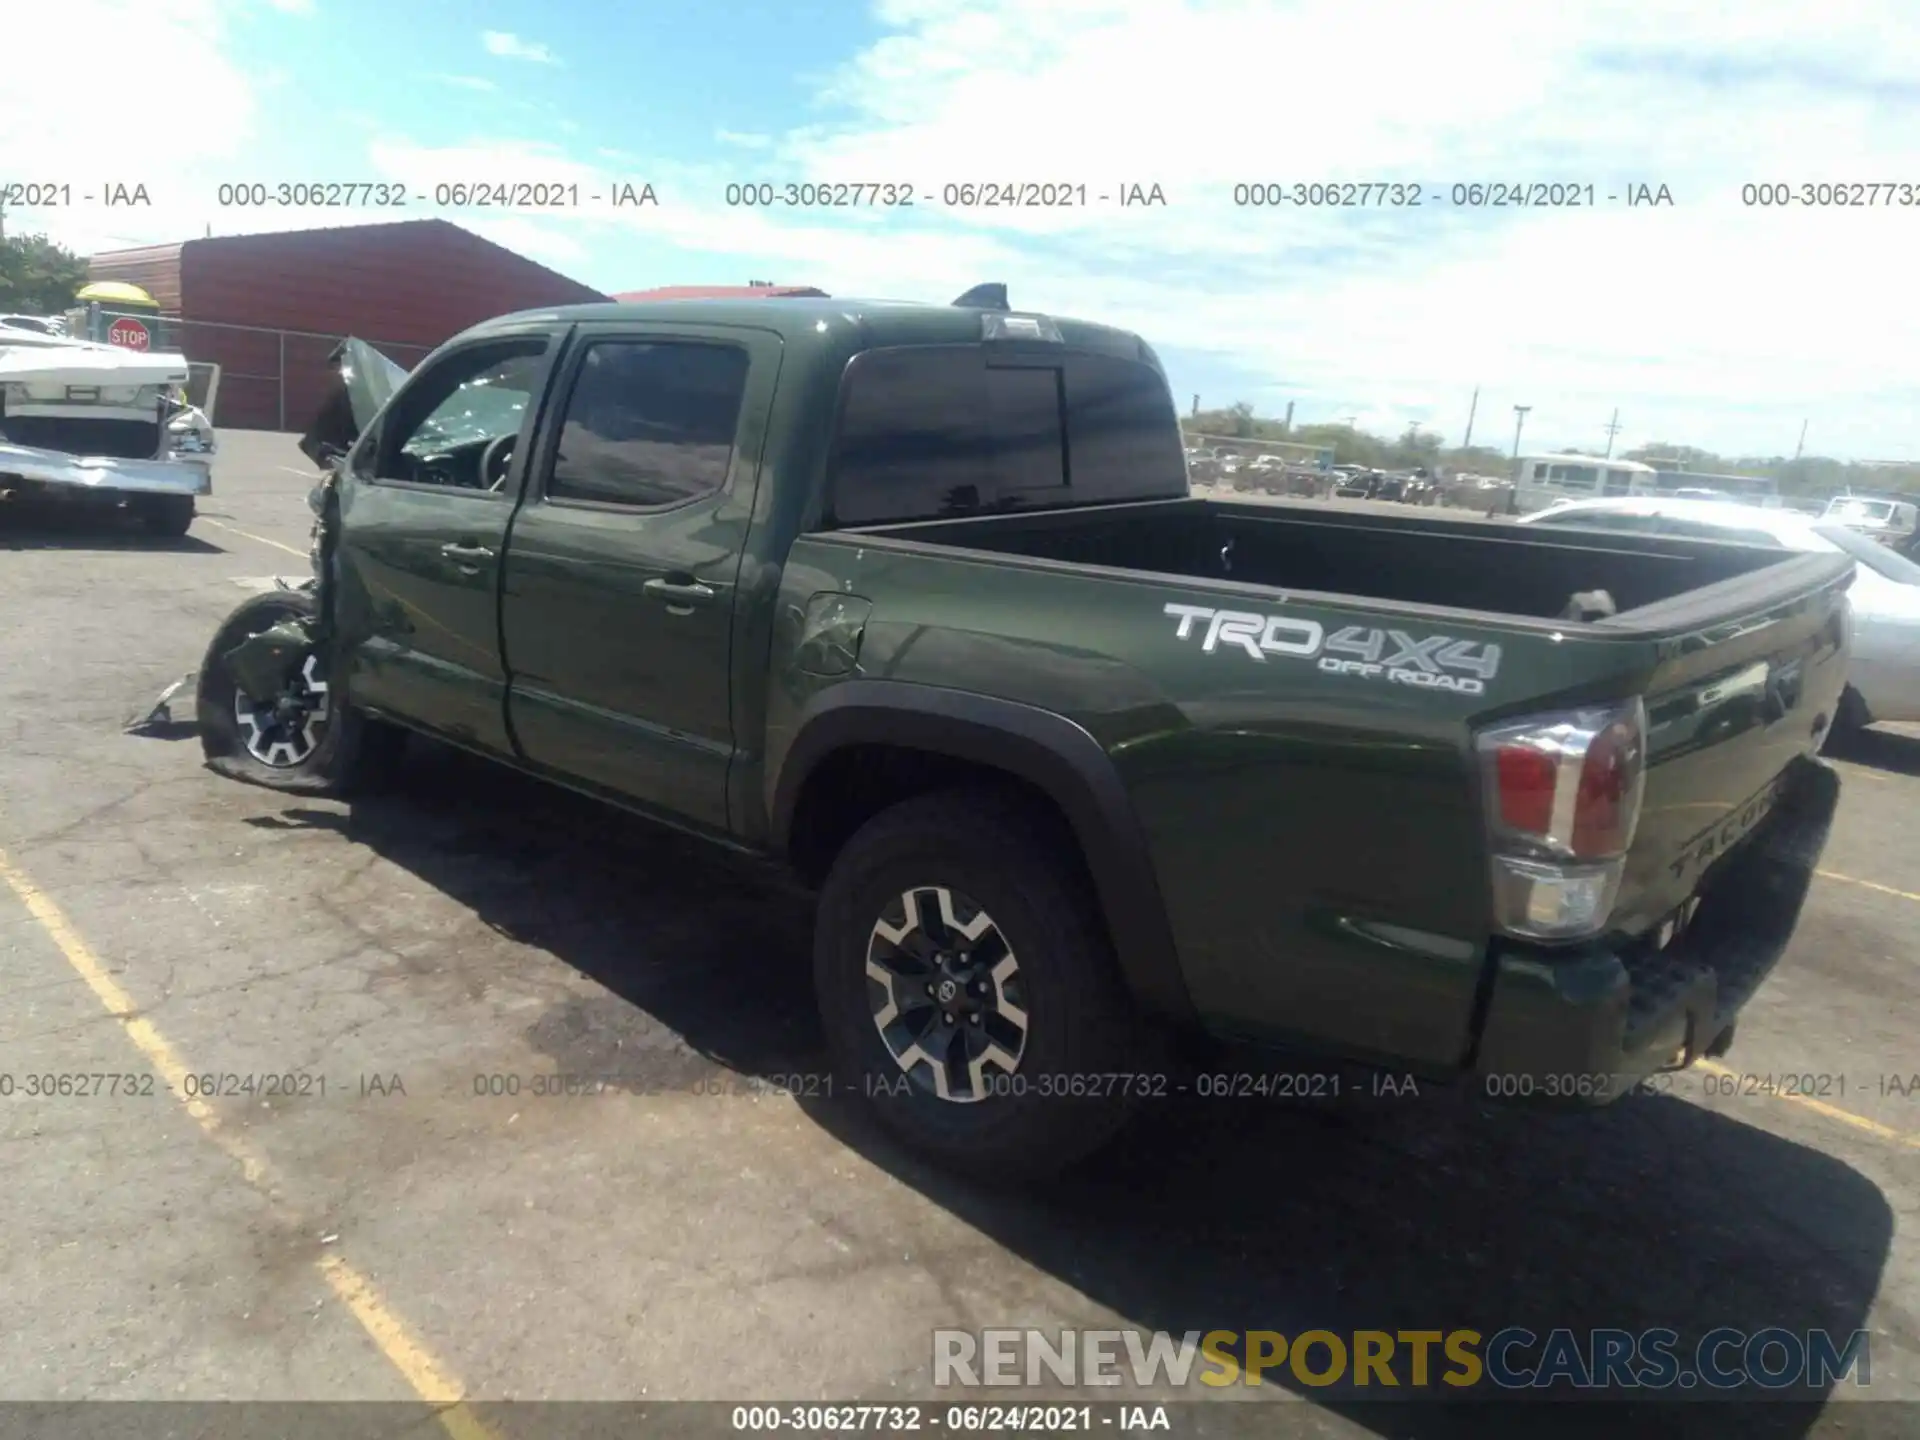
(802, 319)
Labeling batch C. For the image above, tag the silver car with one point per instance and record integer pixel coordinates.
(1883, 682)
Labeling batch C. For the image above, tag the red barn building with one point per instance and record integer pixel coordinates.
(268, 309)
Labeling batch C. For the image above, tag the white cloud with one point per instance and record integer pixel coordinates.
(468, 82)
(1710, 316)
(54, 130)
(1710, 321)
(509, 46)
(292, 7)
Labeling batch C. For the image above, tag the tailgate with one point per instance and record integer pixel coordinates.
(1750, 675)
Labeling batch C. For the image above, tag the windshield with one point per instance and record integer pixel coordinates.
(1871, 553)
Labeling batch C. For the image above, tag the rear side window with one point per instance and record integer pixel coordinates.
(649, 423)
(942, 430)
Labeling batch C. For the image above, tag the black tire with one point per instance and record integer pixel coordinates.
(348, 753)
(1068, 1094)
(165, 515)
(1850, 721)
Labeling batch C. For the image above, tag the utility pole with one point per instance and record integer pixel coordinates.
(1519, 420)
(1803, 441)
(1613, 429)
(1473, 407)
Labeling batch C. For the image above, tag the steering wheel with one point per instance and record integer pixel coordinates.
(499, 452)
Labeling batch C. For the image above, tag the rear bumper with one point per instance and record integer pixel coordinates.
(1586, 1026)
(104, 475)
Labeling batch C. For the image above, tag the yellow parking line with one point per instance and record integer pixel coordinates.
(249, 535)
(1832, 1112)
(430, 1380)
(1867, 884)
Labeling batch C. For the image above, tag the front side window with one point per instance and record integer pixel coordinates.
(649, 423)
(1575, 477)
(457, 423)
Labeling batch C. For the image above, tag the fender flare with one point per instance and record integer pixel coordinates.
(1049, 752)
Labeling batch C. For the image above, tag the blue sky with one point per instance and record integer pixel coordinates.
(1707, 321)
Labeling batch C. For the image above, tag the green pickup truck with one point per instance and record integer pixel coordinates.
(915, 599)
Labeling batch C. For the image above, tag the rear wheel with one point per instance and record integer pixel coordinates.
(304, 738)
(167, 515)
(968, 989)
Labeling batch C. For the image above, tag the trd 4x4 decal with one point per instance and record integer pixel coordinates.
(1433, 662)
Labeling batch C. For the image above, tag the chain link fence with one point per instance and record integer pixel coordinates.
(247, 377)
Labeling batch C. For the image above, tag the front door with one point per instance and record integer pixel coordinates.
(424, 515)
(618, 609)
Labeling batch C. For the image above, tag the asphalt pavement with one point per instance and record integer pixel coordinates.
(368, 1196)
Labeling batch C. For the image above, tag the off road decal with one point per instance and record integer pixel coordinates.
(1432, 662)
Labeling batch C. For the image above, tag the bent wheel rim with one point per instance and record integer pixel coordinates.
(945, 991)
(285, 731)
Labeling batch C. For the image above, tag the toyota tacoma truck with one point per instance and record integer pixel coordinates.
(915, 599)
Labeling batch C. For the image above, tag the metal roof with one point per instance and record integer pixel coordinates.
(718, 292)
(879, 322)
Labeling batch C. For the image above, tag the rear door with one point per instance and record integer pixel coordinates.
(624, 562)
(423, 513)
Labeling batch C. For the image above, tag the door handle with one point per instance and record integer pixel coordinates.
(682, 593)
(466, 552)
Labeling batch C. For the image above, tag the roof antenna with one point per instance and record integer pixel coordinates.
(984, 297)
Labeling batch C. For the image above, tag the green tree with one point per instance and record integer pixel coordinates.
(37, 276)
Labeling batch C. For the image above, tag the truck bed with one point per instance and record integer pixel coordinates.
(1465, 563)
(1355, 799)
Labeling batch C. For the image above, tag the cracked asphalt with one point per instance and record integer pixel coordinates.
(410, 1214)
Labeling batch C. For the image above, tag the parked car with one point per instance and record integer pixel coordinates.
(1884, 518)
(33, 324)
(1067, 764)
(100, 428)
(1884, 683)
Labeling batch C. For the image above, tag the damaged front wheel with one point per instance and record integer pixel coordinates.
(270, 714)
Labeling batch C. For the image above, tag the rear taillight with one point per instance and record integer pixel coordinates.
(1562, 795)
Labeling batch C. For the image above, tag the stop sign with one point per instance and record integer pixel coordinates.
(129, 332)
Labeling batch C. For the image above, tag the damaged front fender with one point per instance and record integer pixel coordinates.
(263, 665)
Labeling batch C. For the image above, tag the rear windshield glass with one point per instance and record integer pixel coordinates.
(928, 431)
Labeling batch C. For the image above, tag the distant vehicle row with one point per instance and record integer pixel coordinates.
(1883, 679)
